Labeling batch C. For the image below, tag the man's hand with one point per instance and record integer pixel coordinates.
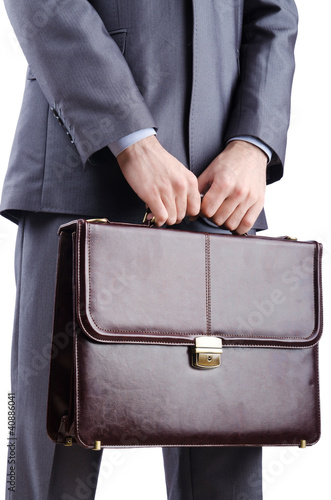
(167, 187)
(234, 186)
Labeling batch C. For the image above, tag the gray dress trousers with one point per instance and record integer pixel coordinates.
(45, 471)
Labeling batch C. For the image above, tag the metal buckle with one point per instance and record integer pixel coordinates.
(97, 446)
(148, 222)
(102, 221)
(207, 352)
(68, 441)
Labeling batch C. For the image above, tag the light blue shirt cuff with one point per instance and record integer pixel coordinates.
(116, 147)
(256, 142)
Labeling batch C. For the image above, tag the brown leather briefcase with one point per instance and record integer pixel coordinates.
(173, 338)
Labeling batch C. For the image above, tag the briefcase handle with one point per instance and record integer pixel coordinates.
(151, 222)
(148, 222)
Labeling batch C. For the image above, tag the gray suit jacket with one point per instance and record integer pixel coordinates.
(200, 72)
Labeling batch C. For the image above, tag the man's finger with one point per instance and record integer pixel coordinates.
(229, 211)
(181, 208)
(212, 201)
(158, 211)
(234, 219)
(248, 219)
(193, 204)
(170, 206)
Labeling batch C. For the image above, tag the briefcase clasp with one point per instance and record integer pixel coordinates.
(206, 353)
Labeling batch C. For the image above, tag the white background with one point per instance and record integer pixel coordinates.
(299, 206)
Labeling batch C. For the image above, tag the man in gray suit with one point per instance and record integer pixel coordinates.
(213, 79)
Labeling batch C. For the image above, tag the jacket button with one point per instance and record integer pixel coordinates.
(55, 113)
(70, 137)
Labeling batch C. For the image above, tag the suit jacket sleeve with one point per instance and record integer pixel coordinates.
(261, 106)
(81, 71)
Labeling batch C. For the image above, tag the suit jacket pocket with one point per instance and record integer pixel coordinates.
(119, 36)
(29, 74)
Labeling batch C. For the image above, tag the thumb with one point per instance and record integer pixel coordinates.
(204, 183)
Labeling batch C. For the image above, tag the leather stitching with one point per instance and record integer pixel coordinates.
(208, 289)
(178, 332)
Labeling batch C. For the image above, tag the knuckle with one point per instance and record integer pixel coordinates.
(247, 222)
(195, 211)
(207, 209)
(194, 207)
(219, 218)
(192, 211)
(180, 216)
(231, 225)
(239, 192)
(218, 222)
(180, 186)
(171, 221)
(160, 215)
(159, 221)
(226, 183)
(194, 203)
(192, 181)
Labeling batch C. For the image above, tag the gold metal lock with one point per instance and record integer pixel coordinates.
(207, 352)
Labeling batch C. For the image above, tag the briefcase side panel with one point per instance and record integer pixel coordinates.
(149, 395)
(61, 365)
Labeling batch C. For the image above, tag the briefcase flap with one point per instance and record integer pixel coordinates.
(150, 285)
